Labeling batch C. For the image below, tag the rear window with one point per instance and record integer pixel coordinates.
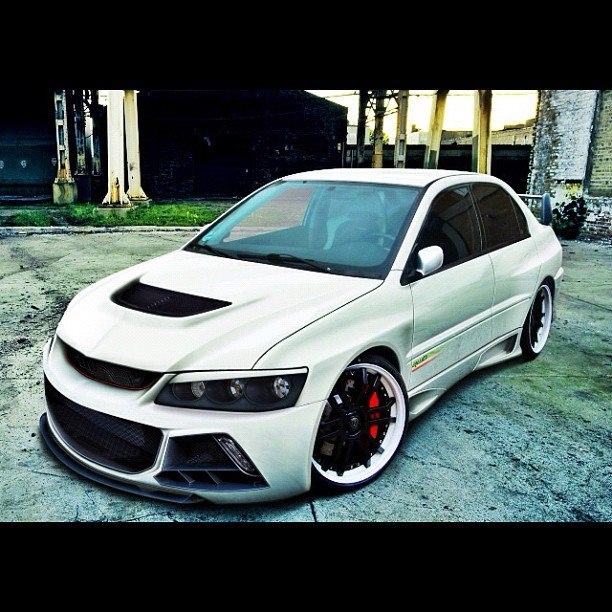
(502, 219)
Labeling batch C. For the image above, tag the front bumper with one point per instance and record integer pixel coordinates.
(79, 468)
(277, 443)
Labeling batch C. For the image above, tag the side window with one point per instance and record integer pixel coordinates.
(503, 221)
(452, 225)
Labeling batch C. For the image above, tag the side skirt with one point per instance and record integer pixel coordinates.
(426, 394)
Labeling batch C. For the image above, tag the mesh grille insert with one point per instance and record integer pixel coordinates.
(164, 302)
(110, 373)
(110, 441)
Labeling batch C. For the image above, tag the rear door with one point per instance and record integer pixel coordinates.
(513, 256)
(452, 306)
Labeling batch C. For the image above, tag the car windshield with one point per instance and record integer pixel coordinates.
(353, 229)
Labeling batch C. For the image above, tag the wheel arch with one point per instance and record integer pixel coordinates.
(382, 351)
(550, 281)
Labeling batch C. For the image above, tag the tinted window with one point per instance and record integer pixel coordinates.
(503, 221)
(452, 225)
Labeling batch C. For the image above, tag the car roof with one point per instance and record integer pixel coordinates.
(415, 177)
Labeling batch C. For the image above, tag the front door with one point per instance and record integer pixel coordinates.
(452, 307)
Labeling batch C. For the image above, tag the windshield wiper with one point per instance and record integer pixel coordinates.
(288, 258)
(214, 250)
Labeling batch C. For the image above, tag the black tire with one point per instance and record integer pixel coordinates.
(536, 328)
(347, 452)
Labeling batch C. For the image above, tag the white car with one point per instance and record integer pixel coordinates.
(292, 340)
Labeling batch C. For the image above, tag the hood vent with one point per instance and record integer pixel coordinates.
(164, 302)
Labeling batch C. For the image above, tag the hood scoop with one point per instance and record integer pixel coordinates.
(163, 302)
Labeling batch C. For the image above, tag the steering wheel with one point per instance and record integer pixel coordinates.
(387, 239)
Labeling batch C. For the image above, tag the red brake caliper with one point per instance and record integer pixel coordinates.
(374, 402)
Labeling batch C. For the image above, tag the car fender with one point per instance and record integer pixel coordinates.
(327, 346)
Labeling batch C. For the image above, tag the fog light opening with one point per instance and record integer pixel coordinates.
(236, 454)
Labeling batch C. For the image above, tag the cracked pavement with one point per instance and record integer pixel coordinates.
(516, 442)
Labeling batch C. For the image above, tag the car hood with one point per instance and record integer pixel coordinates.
(268, 303)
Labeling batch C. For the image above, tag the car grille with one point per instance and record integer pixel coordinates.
(110, 373)
(104, 439)
(164, 302)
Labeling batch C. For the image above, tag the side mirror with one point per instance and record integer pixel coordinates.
(546, 210)
(429, 260)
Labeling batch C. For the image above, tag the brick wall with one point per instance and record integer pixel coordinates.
(600, 180)
(570, 122)
(562, 135)
(599, 219)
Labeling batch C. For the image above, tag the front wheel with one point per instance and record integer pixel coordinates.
(361, 427)
(537, 324)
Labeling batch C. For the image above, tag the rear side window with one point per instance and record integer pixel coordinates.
(452, 225)
(502, 220)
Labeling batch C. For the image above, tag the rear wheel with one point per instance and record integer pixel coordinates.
(362, 425)
(537, 324)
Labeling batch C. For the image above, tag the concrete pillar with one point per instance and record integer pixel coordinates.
(116, 195)
(401, 135)
(364, 98)
(481, 136)
(64, 187)
(379, 115)
(436, 124)
(135, 191)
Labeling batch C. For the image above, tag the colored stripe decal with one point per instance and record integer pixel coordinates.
(423, 360)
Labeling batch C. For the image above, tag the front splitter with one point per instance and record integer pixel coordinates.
(80, 469)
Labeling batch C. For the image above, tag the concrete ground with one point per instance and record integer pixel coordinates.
(517, 442)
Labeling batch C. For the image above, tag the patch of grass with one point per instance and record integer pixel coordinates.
(86, 214)
(170, 214)
(181, 215)
(38, 218)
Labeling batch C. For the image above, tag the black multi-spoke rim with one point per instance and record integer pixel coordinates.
(355, 422)
(539, 318)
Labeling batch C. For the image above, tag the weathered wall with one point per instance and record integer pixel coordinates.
(28, 153)
(561, 139)
(599, 220)
(572, 152)
(600, 180)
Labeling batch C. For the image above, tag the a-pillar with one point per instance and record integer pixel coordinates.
(64, 187)
(135, 191)
(436, 123)
(379, 117)
(399, 158)
(481, 136)
(116, 196)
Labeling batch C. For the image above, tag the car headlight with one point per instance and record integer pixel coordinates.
(240, 394)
